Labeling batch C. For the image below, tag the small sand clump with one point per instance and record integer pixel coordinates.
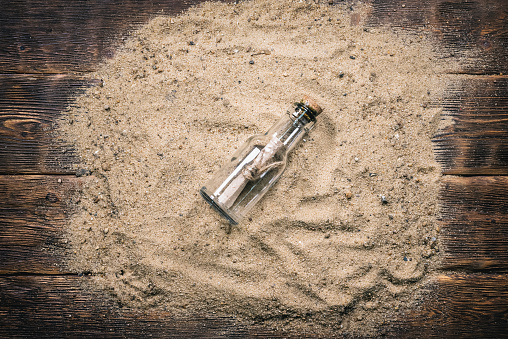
(346, 237)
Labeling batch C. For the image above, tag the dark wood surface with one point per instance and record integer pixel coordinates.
(458, 306)
(29, 105)
(56, 306)
(59, 36)
(474, 223)
(473, 31)
(477, 142)
(32, 216)
(46, 49)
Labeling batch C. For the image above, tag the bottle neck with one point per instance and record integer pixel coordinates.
(292, 128)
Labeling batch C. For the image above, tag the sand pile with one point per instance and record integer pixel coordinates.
(347, 235)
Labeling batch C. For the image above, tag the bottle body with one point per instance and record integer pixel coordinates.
(256, 166)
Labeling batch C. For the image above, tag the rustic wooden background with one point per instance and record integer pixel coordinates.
(47, 48)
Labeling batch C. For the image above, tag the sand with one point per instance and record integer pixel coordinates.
(346, 238)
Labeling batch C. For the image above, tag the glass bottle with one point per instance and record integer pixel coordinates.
(258, 163)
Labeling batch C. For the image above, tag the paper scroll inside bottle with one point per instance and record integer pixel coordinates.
(256, 164)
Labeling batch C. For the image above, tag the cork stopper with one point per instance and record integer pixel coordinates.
(312, 104)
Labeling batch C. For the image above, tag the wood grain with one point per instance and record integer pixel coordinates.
(458, 306)
(57, 306)
(472, 32)
(62, 36)
(474, 223)
(33, 210)
(29, 107)
(477, 142)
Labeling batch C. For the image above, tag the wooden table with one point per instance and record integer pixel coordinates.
(46, 48)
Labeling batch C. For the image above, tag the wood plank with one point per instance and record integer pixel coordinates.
(57, 306)
(472, 305)
(29, 107)
(32, 213)
(458, 306)
(63, 36)
(474, 223)
(472, 32)
(20, 260)
(70, 36)
(477, 142)
(32, 216)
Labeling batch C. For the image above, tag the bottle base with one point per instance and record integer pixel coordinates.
(216, 206)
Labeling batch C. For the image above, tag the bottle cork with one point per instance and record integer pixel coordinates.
(312, 104)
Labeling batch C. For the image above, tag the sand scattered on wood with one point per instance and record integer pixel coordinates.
(346, 238)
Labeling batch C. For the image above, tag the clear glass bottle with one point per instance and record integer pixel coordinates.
(258, 163)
